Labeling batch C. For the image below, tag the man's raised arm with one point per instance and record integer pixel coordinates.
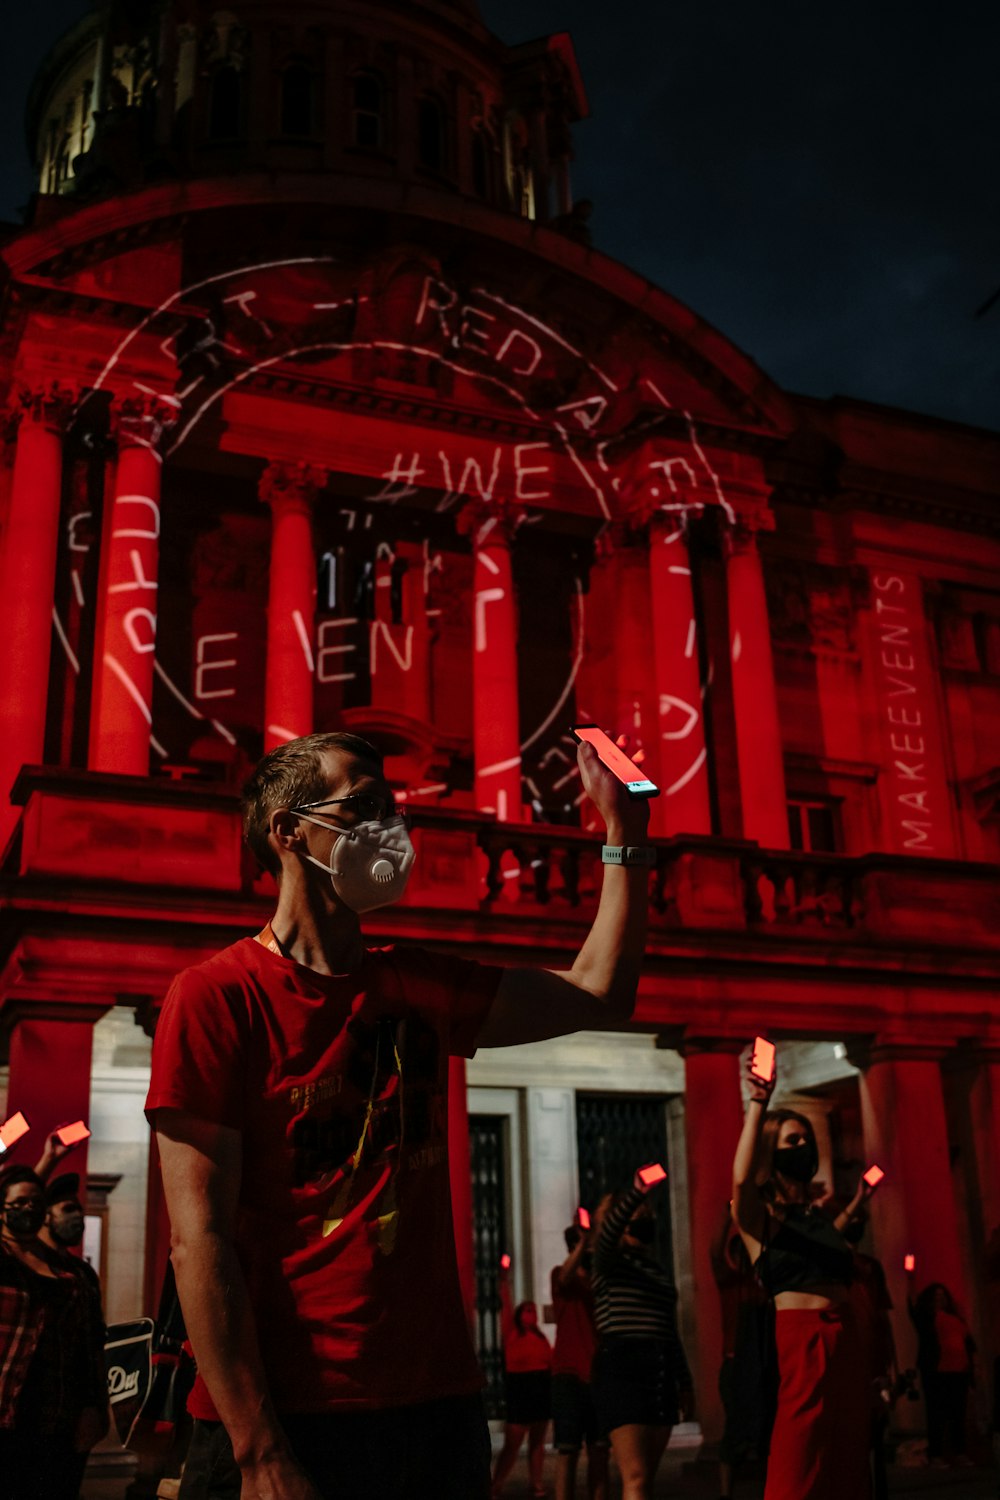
(202, 1165)
(599, 990)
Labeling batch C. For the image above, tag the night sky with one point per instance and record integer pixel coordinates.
(820, 181)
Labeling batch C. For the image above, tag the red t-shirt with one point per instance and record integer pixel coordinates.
(344, 1232)
(576, 1340)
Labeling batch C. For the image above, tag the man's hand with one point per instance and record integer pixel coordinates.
(625, 818)
(278, 1478)
(52, 1155)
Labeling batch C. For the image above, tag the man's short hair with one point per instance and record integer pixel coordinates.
(289, 776)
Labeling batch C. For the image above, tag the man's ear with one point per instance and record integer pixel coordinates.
(284, 830)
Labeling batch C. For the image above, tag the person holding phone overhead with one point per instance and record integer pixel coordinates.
(820, 1441)
(299, 1094)
(641, 1379)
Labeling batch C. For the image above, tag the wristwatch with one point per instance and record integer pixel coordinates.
(628, 854)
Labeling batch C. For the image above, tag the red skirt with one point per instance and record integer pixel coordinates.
(820, 1442)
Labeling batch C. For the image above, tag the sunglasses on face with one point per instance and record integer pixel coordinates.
(364, 807)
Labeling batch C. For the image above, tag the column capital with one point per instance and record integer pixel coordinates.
(892, 1047)
(50, 406)
(291, 486)
(489, 522)
(753, 514)
(695, 1043)
(142, 421)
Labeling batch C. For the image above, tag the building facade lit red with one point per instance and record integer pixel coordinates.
(324, 412)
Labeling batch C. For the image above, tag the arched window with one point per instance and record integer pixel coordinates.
(225, 110)
(430, 134)
(298, 100)
(368, 110)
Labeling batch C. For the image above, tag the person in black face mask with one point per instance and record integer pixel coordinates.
(48, 1378)
(62, 1232)
(819, 1444)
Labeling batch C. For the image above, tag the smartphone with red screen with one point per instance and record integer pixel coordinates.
(762, 1062)
(70, 1135)
(12, 1130)
(874, 1176)
(583, 1218)
(909, 1262)
(635, 782)
(505, 1262)
(652, 1174)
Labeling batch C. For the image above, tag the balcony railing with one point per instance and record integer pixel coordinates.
(115, 834)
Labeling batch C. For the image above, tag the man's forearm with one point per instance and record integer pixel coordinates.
(220, 1325)
(609, 962)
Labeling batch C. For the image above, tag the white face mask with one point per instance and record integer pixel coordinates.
(369, 864)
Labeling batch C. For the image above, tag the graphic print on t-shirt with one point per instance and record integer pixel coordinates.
(401, 1110)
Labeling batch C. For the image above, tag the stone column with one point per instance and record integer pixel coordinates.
(460, 1178)
(50, 1057)
(121, 715)
(27, 583)
(755, 699)
(495, 711)
(713, 1110)
(290, 490)
(683, 805)
(906, 1134)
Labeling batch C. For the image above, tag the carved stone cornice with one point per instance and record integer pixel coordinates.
(287, 487)
(753, 514)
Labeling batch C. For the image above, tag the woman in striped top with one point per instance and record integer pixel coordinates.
(641, 1380)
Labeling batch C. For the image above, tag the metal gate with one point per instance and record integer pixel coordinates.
(487, 1149)
(615, 1134)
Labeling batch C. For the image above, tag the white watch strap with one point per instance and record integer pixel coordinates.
(628, 854)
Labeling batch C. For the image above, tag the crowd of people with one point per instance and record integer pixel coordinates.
(299, 1095)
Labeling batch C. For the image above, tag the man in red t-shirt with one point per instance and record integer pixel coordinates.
(299, 1097)
(574, 1416)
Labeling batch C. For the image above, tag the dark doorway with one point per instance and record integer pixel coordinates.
(615, 1134)
(488, 1155)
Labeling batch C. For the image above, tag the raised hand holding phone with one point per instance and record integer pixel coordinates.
(634, 780)
(871, 1179)
(761, 1070)
(72, 1135)
(12, 1130)
(649, 1177)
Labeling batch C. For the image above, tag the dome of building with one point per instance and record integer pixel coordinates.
(425, 93)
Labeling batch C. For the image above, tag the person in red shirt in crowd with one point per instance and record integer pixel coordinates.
(527, 1362)
(573, 1411)
(299, 1097)
(946, 1354)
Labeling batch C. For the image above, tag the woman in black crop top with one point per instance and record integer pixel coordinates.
(819, 1446)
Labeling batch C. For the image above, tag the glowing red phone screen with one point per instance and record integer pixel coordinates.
(909, 1262)
(762, 1063)
(874, 1176)
(629, 774)
(653, 1173)
(505, 1262)
(70, 1134)
(12, 1130)
(584, 1218)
